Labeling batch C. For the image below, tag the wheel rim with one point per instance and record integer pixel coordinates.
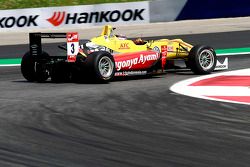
(206, 59)
(106, 67)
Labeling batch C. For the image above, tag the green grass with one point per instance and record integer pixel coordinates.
(17, 4)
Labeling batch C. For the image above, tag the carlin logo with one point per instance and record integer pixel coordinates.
(57, 18)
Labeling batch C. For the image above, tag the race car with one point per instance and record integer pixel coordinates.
(108, 55)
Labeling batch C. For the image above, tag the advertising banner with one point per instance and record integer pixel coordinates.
(75, 16)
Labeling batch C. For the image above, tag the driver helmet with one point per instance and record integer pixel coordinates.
(138, 41)
(121, 37)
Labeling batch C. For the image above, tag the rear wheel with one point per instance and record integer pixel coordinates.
(32, 70)
(28, 67)
(202, 59)
(100, 66)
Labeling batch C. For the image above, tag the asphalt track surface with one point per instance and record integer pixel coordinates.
(135, 122)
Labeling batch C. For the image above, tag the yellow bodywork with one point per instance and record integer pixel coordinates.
(176, 48)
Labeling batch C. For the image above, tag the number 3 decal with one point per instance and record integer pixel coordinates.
(72, 48)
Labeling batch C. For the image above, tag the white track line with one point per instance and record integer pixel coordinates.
(230, 54)
(9, 65)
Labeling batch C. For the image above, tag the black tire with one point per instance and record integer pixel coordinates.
(32, 71)
(100, 66)
(202, 59)
(28, 67)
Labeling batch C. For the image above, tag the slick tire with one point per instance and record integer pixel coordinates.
(100, 66)
(202, 59)
(32, 70)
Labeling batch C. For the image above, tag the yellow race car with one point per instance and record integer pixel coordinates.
(108, 55)
(200, 59)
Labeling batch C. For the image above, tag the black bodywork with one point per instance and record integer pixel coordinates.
(35, 43)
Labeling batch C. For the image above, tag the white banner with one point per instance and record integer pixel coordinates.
(75, 16)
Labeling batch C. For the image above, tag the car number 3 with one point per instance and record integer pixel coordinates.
(72, 48)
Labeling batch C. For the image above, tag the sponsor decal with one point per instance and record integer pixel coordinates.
(18, 21)
(222, 66)
(164, 52)
(164, 48)
(57, 18)
(96, 17)
(124, 46)
(156, 49)
(72, 37)
(34, 49)
(130, 73)
(141, 60)
(170, 48)
(126, 63)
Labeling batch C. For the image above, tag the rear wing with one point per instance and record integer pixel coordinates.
(35, 41)
(72, 39)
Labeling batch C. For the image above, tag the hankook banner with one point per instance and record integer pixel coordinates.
(75, 16)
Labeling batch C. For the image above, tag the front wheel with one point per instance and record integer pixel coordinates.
(202, 59)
